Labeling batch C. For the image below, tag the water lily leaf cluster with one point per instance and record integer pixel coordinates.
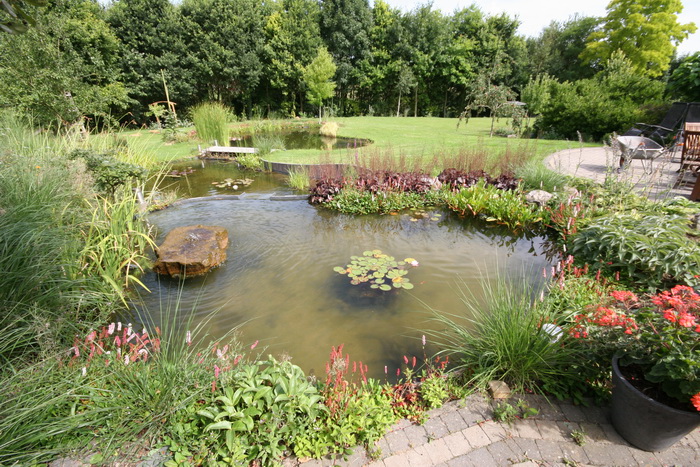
(379, 270)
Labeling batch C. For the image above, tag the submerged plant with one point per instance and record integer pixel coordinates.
(380, 270)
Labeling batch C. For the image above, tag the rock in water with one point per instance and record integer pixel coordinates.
(192, 250)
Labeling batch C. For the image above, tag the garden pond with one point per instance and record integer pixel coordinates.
(279, 284)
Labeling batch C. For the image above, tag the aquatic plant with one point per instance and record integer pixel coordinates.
(380, 270)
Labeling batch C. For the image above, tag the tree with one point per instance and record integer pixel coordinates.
(317, 77)
(405, 83)
(15, 17)
(151, 40)
(65, 68)
(684, 83)
(227, 38)
(646, 31)
(345, 26)
(557, 49)
(293, 37)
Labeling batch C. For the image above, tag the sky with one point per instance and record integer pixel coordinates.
(535, 15)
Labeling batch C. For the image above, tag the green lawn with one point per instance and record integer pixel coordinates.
(405, 137)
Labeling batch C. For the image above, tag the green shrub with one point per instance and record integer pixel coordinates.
(504, 339)
(108, 172)
(299, 179)
(353, 201)
(651, 251)
(506, 207)
(211, 121)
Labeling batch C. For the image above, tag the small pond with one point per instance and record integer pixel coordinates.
(298, 139)
(279, 286)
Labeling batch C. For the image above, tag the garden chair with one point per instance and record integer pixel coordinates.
(690, 156)
(670, 124)
(641, 148)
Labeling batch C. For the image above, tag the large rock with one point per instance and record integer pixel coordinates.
(192, 250)
(539, 197)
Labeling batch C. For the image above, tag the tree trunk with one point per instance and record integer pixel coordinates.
(398, 108)
(415, 102)
(320, 106)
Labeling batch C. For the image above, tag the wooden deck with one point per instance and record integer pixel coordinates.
(216, 152)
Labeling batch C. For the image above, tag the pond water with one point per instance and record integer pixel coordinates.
(279, 286)
(298, 139)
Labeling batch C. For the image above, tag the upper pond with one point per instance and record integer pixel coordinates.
(278, 283)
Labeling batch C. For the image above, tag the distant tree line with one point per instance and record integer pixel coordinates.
(107, 64)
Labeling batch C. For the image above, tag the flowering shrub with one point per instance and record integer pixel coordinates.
(661, 336)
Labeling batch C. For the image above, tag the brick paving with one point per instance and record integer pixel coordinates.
(470, 437)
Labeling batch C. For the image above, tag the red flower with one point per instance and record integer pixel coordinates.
(624, 296)
(695, 400)
(686, 320)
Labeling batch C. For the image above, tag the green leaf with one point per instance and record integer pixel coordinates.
(385, 287)
(222, 425)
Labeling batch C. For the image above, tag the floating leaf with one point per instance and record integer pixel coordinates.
(385, 287)
(340, 270)
(407, 285)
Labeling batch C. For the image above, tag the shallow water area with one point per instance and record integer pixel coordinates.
(279, 286)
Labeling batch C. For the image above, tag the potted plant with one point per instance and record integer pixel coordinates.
(379, 270)
(656, 366)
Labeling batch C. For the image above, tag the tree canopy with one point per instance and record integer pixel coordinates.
(646, 31)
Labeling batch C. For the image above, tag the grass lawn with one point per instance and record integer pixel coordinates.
(391, 136)
(419, 137)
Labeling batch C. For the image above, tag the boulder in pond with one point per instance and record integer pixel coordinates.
(192, 250)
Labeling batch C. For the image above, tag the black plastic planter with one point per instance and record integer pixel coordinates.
(644, 422)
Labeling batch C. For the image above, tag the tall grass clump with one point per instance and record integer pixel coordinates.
(535, 176)
(119, 389)
(299, 179)
(211, 121)
(266, 143)
(503, 338)
(52, 224)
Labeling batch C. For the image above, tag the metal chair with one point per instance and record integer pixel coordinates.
(672, 121)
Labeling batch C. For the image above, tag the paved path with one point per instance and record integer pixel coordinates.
(664, 181)
(463, 433)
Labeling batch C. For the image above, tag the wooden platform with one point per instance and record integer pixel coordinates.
(214, 151)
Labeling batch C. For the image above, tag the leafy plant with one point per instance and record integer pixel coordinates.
(299, 179)
(504, 412)
(379, 270)
(659, 335)
(503, 206)
(579, 437)
(535, 176)
(648, 251)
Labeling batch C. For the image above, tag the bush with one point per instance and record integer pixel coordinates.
(647, 250)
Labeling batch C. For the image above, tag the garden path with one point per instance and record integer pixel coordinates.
(463, 433)
(665, 181)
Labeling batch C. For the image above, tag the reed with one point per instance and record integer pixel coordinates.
(211, 121)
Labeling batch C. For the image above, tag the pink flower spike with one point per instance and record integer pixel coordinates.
(255, 344)
(217, 370)
(405, 359)
(84, 371)
(110, 329)
(126, 359)
(119, 326)
(386, 370)
(188, 338)
(423, 340)
(398, 371)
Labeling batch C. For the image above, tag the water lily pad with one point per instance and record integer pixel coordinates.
(407, 285)
(340, 270)
(385, 287)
